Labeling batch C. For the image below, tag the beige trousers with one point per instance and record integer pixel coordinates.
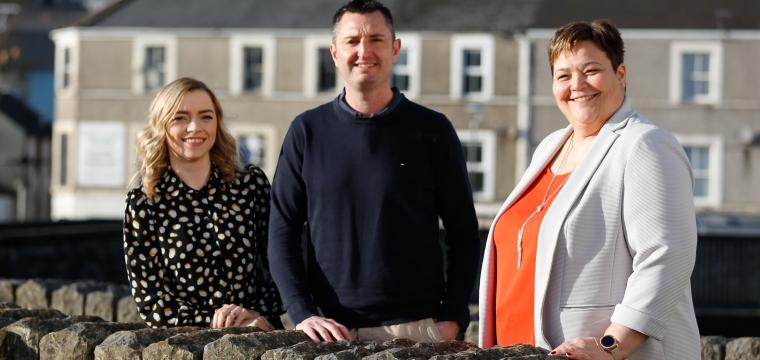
(420, 331)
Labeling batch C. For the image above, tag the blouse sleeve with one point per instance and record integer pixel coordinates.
(152, 287)
(266, 297)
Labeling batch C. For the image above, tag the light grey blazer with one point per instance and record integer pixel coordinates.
(618, 243)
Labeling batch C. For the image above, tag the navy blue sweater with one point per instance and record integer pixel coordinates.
(371, 191)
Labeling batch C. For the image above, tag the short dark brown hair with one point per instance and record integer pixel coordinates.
(365, 7)
(600, 32)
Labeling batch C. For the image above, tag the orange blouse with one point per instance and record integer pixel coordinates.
(515, 287)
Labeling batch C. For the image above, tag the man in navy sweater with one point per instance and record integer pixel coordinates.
(368, 176)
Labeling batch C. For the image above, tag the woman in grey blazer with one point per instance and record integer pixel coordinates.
(590, 255)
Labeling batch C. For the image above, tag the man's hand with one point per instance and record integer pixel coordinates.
(231, 315)
(448, 329)
(319, 329)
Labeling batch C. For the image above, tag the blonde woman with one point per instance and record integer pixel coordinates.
(195, 227)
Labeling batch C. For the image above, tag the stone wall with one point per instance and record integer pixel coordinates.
(55, 319)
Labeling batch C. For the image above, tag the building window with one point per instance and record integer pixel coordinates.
(251, 64)
(472, 72)
(479, 148)
(705, 154)
(154, 68)
(407, 68)
(696, 72)
(253, 68)
(326, 75)
(252, 149)
(63, 160)
(66, 72)
(155, 62)
(401, 71)
(472, 67)
(320, 75)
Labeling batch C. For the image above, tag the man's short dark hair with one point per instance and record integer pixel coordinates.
(365, 7)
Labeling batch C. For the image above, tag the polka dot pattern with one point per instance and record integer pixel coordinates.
(191, 251)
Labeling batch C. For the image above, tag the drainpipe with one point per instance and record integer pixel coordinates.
(524, 105)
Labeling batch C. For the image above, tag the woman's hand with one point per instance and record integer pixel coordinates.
(586, 348)
(231, 315)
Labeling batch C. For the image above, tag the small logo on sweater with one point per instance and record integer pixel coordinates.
(403, 164)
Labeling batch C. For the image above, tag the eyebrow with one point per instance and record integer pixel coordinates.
(582, 65)
(183, 112)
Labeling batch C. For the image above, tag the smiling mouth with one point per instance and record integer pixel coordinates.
(584, 98)
(365, 65)
(194, 141)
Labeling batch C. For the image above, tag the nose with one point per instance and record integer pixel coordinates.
(363, 47)
(193, 125)
(578, 81)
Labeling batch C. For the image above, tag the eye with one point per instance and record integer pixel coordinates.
(592, 71)
(563, 77)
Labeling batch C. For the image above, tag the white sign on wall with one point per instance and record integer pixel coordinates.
(101, 153)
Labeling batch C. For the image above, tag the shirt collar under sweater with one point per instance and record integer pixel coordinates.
(392, 105)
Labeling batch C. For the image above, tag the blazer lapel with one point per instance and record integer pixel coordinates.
(558, 211)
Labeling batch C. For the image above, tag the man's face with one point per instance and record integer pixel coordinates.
(364, 50)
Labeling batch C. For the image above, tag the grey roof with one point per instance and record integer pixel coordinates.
(441, 15)
(438, 15)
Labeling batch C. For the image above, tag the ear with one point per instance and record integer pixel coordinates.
(396, 48)
(333, 51)
(621, 74)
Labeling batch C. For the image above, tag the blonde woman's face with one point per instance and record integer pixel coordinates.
(191, 134)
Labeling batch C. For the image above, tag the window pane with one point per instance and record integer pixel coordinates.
(154, 68)
(476, 180)
(473, 152)
(701, 187)
(472, 84)
(402, 58)
(695, 75)
(472, 58)
(253, 68)
(64, 155)
(66, 68)
(326, 80)
(252, 149)
(401, 82)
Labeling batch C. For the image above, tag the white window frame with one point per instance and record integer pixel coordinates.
(715, 145)
(412, 44)
(237, 45)
(485, 44)
(312, 44)
(139, 44)
(715, 78)
(487, 139)
(269, 133)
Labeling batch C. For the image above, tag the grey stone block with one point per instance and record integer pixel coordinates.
(364, 349)
(494, 353)
(22, 338)
(744, 348)
(10, 316)
(189, 346)
(423, 350)
(70, 298)
(126, 310)
(35, 293)
(8, 290)
(307, 350)
(78, 341)
(251, 345)
(129, 344)
(104, 303)
(713, 347)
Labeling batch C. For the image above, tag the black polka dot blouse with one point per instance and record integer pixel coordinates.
(192, 251)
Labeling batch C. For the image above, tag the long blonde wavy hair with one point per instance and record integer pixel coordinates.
(152, 153)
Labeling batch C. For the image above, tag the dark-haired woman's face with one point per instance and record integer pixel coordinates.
(586, 88)
(191, 134)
